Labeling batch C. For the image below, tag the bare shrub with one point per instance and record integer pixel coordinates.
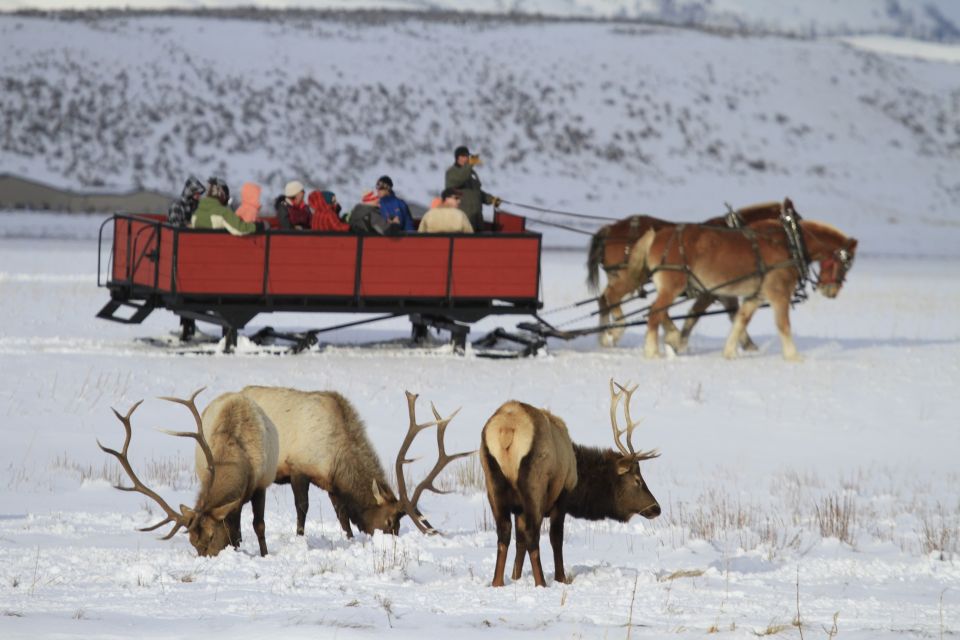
(836, 517)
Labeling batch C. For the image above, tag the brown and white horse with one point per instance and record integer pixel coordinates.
(611, 246)
(754, 263)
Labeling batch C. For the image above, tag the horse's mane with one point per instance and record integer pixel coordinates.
(823, 229)
(760, 206)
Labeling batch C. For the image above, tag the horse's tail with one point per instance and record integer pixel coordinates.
(595, 253)
(637, 265)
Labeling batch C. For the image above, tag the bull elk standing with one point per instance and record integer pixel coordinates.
(533, 470)
(323, 442)
(236, 460)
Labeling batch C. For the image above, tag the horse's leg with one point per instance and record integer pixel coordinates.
(740, 323)
(732, 305)
(618, 286)
(671, 335)
(781, 316)
(700, 305)
(669, 285)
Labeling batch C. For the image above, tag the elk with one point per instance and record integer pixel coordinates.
(324, 442)
(236, 460)
(533, 470)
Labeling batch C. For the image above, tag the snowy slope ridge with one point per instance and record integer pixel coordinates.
(632, 118)
(928, 19)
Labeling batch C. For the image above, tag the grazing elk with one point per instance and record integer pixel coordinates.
(236, 460)
(323, 442)
(534, 470)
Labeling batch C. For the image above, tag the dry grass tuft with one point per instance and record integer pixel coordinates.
(836, 516)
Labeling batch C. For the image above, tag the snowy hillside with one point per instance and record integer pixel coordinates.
(928, 19)
(599, 118)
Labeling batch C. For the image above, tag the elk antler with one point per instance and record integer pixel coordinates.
(410, 506)
(615, 396)
(172, 516)
(198, 436)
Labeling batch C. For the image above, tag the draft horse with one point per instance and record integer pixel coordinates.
(758, 263)
(611, 247)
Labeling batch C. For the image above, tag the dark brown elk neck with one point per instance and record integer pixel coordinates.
(594, 497)
(233, 480)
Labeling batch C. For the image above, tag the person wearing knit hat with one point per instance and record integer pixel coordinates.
(291, 207)
(461, 175)
(393, 209)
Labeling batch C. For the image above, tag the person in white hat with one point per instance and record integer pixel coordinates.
(292, 210)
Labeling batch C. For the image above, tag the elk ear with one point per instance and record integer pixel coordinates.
(377, 495)
(188, 514)
(221, 512)
(624, 465)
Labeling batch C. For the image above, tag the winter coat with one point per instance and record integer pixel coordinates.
(249, 208)
(210, 214)
(465, 179)
(393, 207)
(445, 220)
(324, 217)
(366, 219)
(180, 210)
(292, 216)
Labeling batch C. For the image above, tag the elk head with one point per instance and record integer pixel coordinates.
(205, 523)
(632, 496)
(407, 505)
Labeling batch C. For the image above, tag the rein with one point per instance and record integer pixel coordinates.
(558, 212)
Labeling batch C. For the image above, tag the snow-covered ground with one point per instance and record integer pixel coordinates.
(827, 486)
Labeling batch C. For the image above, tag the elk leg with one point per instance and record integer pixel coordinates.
(342, 517)
(531, 538)
(258, 501)
(233, 528)
(521, 550)
(556, 542)
(503, 544)
(739, 326)
(301, 488)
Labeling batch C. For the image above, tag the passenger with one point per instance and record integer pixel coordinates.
(213, 212)
(249, 209)
(448, 217)
(181, 210)
(326, 212)
(292, 211)
(463, 177)
(393, 209)
(365, 218)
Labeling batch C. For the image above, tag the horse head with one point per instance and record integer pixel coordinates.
(835, 253)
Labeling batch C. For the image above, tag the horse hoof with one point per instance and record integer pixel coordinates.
(750, 347)
(730, 355)
(652, 355)
(606, 340)
(796, 357)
